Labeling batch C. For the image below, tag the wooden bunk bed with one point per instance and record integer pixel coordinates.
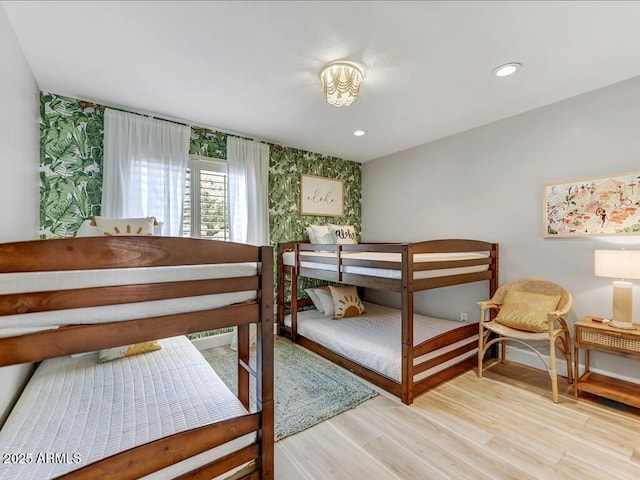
(414, 267)
(187, 285)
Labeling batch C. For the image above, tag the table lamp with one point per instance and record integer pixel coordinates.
(624, 265)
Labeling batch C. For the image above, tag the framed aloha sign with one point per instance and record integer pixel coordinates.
(321, 196)
(596, 206)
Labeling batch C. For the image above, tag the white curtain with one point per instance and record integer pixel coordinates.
(248, 164)
(145, 165)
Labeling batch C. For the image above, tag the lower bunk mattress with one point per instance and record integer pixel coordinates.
(374, 339)
(75, 411)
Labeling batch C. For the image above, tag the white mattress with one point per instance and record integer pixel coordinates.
(374, 339)
(289, 258)
(86, 411)
(11, 325)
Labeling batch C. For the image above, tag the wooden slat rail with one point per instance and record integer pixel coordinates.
(366, 281)
(94, 253)
(85, 338)
(144, 459)
(224, 464)
(469, 330)
(391, 265)
(444, 357)
(422, 266)
(452, 246)
(120, 294)
(437, 282)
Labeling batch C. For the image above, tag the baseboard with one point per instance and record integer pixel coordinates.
(531, 360)
(220, 340)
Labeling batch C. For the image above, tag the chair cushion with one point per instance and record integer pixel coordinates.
(527, 311)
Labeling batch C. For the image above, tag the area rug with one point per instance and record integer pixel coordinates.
(307, 388)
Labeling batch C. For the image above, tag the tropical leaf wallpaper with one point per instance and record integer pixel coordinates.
(71, 133)
(286, 223)
(286, 165)
(71, 153)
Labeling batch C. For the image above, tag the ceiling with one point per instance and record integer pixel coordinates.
(252, 68)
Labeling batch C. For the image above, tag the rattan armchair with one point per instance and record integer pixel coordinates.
(555, 336)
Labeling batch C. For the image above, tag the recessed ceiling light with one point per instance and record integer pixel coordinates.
(507, 69)
(359, 133)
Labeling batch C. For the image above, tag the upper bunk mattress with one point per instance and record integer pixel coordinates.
(289, 258)
(75, 411)
(374, 339)
(11, 325)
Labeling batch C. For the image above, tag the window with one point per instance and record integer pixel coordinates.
(206, 207)
(206, 215)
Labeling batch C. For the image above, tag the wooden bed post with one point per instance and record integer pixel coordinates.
(407, 324)
(494, 267)
(264, 364)
(294, 296)
(280, 300)
(494, 284)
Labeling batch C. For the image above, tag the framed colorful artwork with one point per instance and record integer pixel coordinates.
(321, 196)
(596, 206)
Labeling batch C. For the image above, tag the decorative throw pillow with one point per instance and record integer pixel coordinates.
(86, 229)
(346, 302)
(527, 311)
(157, 228)
(326, 300)
(125, 226)
(319, 234)
(109, 354)
(315, 299)
(343, 234)
(311, 235)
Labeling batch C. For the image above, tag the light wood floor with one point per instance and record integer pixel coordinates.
(503, 426)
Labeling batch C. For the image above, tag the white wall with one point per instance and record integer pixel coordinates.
(487, 184)
(19, 164)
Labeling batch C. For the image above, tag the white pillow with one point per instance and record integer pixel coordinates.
(86, 229)
(343, 234)
(319, 234)
(327, 301)
(125, 226)
(311, 235)
(315, 299)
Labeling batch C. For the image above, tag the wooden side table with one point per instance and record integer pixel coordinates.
(591, 335)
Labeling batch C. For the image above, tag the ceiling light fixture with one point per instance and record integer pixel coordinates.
(359, 133)
(507, 69)
(341, 82)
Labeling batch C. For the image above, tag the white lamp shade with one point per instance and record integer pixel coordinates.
(622, 264)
